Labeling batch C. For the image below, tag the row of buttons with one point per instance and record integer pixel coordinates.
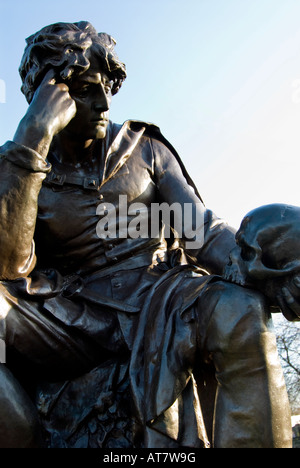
(116, 283)
(111, 247)
(108, 246)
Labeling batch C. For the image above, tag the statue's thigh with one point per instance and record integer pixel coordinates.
(30, 331)
(231, 318)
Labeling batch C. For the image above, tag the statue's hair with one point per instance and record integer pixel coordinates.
(64, 46)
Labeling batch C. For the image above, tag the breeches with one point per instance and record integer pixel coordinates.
(230, 319)
(251, 406)
(228, 326)
(60, 348)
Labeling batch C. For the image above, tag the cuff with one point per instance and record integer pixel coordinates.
(24, 157)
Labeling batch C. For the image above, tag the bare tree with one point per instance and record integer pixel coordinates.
(288, 342)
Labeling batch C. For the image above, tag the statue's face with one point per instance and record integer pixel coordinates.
(91, 92)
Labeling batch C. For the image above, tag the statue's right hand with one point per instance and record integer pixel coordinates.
(50, 111)
(52, 107)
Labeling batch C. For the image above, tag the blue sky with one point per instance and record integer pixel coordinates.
(220, 77)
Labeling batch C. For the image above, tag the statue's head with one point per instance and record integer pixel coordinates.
(66, 47)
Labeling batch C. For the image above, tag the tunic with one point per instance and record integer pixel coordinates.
(107, 308)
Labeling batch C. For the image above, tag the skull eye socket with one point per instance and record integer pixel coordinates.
(270, 262)
(247, 253)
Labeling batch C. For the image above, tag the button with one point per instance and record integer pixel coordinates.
(90, 183)
(101, 196)
(57, 179)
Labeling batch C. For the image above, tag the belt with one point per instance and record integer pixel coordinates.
(76, 285)
(88, 183)
(130, 263)
(77, 288)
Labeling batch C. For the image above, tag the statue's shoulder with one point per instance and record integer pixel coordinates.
(150, 129)
(153, 131)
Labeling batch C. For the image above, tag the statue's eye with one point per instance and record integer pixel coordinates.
(81, 92)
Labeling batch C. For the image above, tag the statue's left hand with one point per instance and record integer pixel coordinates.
(290, 295)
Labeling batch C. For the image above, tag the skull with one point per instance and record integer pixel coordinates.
(267, 255)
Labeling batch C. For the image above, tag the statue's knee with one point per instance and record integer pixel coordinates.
(239, 318)
(19, 424)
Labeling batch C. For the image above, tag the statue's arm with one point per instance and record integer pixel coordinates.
(23, 167)
(22, 172)
(218, 239)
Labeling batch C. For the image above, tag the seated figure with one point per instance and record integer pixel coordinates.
(114, 314)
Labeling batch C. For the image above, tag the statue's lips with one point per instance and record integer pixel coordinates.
(99, 121)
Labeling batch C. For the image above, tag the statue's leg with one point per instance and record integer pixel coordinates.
(47, 347)
(19, 426)
(56, 350)
(235, 332)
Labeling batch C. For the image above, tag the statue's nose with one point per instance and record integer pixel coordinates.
(101, 102)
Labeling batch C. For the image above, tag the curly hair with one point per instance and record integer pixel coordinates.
(64, 46)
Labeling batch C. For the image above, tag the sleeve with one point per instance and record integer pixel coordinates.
(22, 171)
(205, 237)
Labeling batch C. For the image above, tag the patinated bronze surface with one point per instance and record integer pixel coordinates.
(119, 337)
(267, 256)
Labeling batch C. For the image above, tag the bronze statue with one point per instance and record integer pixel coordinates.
(112, 330)
(267, 256)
